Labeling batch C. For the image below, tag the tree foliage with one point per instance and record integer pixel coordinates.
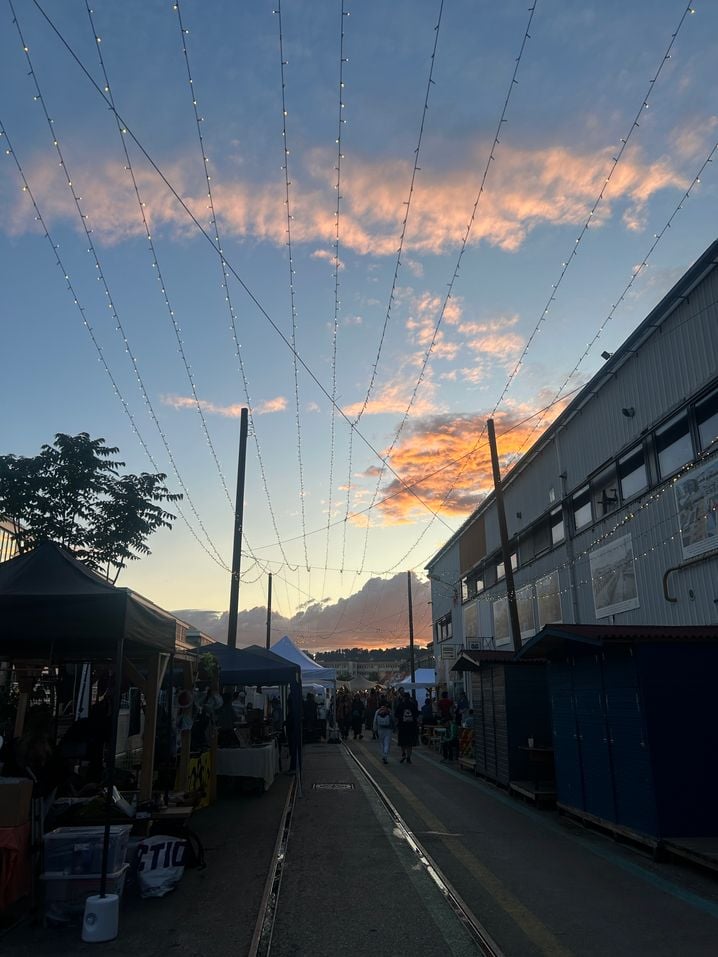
(72, 493)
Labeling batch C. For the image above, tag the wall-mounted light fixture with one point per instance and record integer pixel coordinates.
(606, 355)
(629, 411)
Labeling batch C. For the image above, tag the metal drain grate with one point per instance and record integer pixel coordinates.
(333, 786)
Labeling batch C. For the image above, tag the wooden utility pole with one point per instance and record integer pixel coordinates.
(238, 518)
(411, 633)
(503, 531)
(269, 608)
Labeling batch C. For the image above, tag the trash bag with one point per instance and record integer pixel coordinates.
(160, 864)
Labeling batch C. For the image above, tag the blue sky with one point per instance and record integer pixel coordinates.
(600, 128)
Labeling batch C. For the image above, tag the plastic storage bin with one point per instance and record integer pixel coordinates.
(78, 850)
(65, 894)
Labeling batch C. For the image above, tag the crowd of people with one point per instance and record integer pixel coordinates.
(382, 713)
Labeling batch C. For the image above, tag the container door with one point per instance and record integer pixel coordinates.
(594, 737)
(567, 750)
(633, 781)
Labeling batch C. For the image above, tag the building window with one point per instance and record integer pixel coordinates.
(500, 570)
(444, 629)
(673, 445)
(632, 473)
(581, 504)
(471, 586)
(707, 419)
(558, 531)
(604, 492)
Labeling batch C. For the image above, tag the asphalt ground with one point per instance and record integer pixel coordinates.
(540, 883)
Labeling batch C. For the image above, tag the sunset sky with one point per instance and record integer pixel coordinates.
(428, 214)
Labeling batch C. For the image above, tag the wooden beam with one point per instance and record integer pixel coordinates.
(134, 675)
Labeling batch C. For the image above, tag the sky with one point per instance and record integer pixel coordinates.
(375, 225)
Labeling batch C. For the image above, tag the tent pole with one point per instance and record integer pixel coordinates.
(116, 694)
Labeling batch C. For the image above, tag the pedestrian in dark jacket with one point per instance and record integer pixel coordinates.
(408, 728)
(357, 716)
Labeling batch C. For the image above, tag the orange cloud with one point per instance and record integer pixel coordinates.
(527, 187)
(429, 444)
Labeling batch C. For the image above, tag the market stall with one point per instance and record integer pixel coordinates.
(257, 667)
(318, 681)
(54, 612)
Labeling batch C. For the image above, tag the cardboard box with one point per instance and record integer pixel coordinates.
(15, 797)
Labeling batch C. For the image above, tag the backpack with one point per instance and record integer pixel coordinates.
(408, 716)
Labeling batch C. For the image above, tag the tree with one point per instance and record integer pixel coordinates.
(72, 494)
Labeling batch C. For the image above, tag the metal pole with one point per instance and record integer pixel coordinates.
(238, 517)
(110, 770)
(269, 607)
(411, 635)
(505, 551)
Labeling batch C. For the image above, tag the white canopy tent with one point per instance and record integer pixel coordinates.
(423, 678)
(311, 671)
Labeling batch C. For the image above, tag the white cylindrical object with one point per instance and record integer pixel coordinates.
(101, 920)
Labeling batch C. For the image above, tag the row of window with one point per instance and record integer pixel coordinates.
(656, 458)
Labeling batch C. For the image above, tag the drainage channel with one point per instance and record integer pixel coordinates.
(487, 946)
(262, 939)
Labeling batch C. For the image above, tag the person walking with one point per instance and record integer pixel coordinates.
(408, 729)
(383, 727)
(357, 716)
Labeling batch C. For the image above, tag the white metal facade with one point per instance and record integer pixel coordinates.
(630, 472)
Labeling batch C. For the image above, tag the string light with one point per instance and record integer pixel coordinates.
(615, 160)
(101, 278)
(293, 309)
(93, 338)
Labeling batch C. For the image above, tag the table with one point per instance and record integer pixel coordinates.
(541, 760)
(255, 762)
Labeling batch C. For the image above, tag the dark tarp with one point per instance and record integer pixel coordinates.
(257, 666)
(252, 666)
(53, 606)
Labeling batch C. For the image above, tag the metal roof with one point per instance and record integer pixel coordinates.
(554, 638)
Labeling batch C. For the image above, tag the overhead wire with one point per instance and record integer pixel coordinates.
(292, 298)
(10, 151)
(103, 280)
(217, 246)
(227, 263)
(570, 259)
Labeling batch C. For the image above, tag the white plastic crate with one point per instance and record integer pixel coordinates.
(78, 850)
(65, 894)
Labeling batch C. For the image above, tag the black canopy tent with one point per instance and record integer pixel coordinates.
(257, 666)
(54, 609)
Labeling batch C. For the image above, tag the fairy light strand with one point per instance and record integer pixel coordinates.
(263, 312)
(9, 151)
(615, 160)
(462, 249)
(634, 276)
(292, 291)
(92, 250)
(337, 304)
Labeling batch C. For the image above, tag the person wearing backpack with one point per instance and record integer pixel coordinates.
(408, 727)
(383, 727)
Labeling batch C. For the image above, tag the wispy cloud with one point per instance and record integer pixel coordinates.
(233, 411)
(529, 187)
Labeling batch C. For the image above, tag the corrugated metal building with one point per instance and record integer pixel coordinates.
(612, 513)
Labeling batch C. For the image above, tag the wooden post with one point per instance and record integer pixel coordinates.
(154, 680)
(503, 531)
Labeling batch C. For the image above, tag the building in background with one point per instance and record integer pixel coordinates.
(612, 514)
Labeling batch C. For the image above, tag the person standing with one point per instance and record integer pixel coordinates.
(408, 728)
(357, 716)
(383, 726)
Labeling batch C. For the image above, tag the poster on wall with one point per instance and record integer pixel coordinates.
(613, 578)
(502, 636)
(471, 621)
(697, 504)
(548, 597)
(525, 609)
